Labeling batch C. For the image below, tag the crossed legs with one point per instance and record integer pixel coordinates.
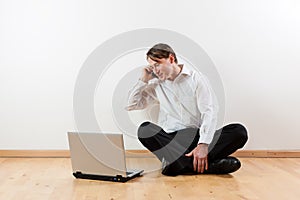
(173, 146)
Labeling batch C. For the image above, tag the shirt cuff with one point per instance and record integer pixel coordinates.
(204, 141)
(142, 83)
(205, 138)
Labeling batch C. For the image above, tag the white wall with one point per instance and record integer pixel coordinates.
(254, 44)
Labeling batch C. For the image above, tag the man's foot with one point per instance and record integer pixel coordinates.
(220, 166)
(168, 169)
(223, 166)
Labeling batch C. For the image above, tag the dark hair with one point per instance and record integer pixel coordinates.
(159, 51)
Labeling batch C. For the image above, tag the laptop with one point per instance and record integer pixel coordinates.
(99, 156)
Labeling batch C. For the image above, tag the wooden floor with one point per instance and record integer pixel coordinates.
(50, 178)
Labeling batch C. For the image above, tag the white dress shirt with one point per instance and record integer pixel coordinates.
(188, 101)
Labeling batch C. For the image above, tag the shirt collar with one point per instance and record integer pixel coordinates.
(185, 71)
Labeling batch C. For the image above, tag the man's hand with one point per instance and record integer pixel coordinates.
(147, 74)
(200, 157)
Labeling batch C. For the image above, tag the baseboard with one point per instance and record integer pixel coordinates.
(145, 153)
(35, 153)
(268, 153)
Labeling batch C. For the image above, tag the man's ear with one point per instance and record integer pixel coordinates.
(172, 59)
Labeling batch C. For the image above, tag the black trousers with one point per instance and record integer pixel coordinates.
(173, 146)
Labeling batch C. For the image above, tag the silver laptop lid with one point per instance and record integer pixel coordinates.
(97, 153)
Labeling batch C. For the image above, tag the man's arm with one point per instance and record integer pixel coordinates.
(208, 108)
(142, 94)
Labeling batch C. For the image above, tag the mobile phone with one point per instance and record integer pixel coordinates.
(154, 75)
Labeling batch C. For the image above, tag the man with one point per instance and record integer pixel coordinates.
(185, 138)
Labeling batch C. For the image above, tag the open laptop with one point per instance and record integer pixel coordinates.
(99, 156)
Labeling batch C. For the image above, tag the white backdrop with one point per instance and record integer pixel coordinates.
(254, 44)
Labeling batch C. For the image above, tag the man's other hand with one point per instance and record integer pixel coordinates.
(200, 157)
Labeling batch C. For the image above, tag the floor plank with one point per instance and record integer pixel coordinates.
(51, 178)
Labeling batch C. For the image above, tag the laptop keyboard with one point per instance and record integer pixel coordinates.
(128, 173)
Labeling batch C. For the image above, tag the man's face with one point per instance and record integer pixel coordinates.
(162, 67)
